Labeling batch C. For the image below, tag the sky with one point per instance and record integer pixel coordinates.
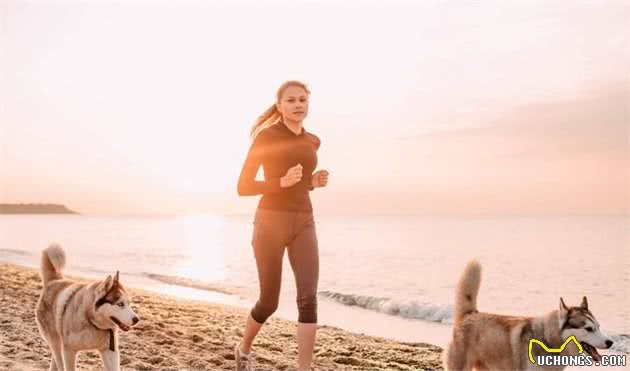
(422, 107)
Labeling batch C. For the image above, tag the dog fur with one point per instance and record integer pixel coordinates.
(74, 316)
(486, 341)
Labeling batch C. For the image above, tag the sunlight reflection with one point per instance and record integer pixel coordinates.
(205, 260)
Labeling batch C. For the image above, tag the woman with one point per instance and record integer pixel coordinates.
(284, 218)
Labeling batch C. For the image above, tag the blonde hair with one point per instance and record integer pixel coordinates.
(272, 116)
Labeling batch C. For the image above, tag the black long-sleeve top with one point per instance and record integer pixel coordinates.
(278, 149)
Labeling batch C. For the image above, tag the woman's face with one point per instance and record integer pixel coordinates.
(293, 104)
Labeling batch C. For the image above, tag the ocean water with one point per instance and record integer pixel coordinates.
(390, 276)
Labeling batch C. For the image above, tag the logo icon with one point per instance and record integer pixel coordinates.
(552, 350)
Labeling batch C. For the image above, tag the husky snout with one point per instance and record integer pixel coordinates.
(127, 317)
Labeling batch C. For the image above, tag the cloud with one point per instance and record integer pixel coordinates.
(569, 155)
(595, 123)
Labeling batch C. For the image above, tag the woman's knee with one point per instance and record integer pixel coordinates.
(307, 308)
(263, 310)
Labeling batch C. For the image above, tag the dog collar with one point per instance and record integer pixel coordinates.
(112, 340)
(112, 337)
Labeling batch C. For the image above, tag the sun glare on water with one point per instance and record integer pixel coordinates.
(204, 256)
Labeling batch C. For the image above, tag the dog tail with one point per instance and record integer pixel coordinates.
(466, 291)
(53, 262)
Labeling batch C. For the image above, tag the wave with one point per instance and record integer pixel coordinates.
(407, 309)
(15, 252)
(622, 343)
(195, 284)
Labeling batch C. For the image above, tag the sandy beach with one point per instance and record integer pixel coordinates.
(176, 334)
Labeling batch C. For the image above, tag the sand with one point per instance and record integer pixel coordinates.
(177, 334)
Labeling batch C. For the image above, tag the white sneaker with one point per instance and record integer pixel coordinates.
(244, 362)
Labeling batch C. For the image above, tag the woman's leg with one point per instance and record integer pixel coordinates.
(269, 245)
(251, 330)
(304, 258)
(306, 344)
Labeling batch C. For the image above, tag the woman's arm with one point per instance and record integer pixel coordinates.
(247, 183)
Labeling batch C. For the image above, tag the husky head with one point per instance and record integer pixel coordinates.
(112, 304)
(580, 322)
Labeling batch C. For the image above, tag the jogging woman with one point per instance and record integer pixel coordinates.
(284, 217)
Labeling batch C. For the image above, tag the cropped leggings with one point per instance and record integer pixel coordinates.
(273, 232)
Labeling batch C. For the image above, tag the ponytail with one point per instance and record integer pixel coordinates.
(272, 116)
(269, 118)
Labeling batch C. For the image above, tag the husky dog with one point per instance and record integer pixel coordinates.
(487, 341)
(75, 316)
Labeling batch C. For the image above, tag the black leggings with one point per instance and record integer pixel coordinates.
(273, 231)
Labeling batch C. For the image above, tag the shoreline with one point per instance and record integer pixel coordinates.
(184, 334)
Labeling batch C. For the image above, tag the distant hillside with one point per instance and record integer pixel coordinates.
(34, 209)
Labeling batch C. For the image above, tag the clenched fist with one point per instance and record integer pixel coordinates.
(293, 175)
(319, 179)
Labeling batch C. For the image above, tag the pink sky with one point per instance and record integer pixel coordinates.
(422, 108)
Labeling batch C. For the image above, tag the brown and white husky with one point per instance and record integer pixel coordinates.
(74, 316)
(487, 341)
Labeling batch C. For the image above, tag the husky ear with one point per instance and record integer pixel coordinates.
(116, 278)
(584, 303)
(106, 284)
(563, 307)
(563, 313)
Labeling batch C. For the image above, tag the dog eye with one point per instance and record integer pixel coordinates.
(589, 329)
(121, 304)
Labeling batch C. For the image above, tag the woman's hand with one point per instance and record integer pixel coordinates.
(293, 175)
(319, 179)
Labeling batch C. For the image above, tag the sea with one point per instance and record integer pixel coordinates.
(384, 275)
